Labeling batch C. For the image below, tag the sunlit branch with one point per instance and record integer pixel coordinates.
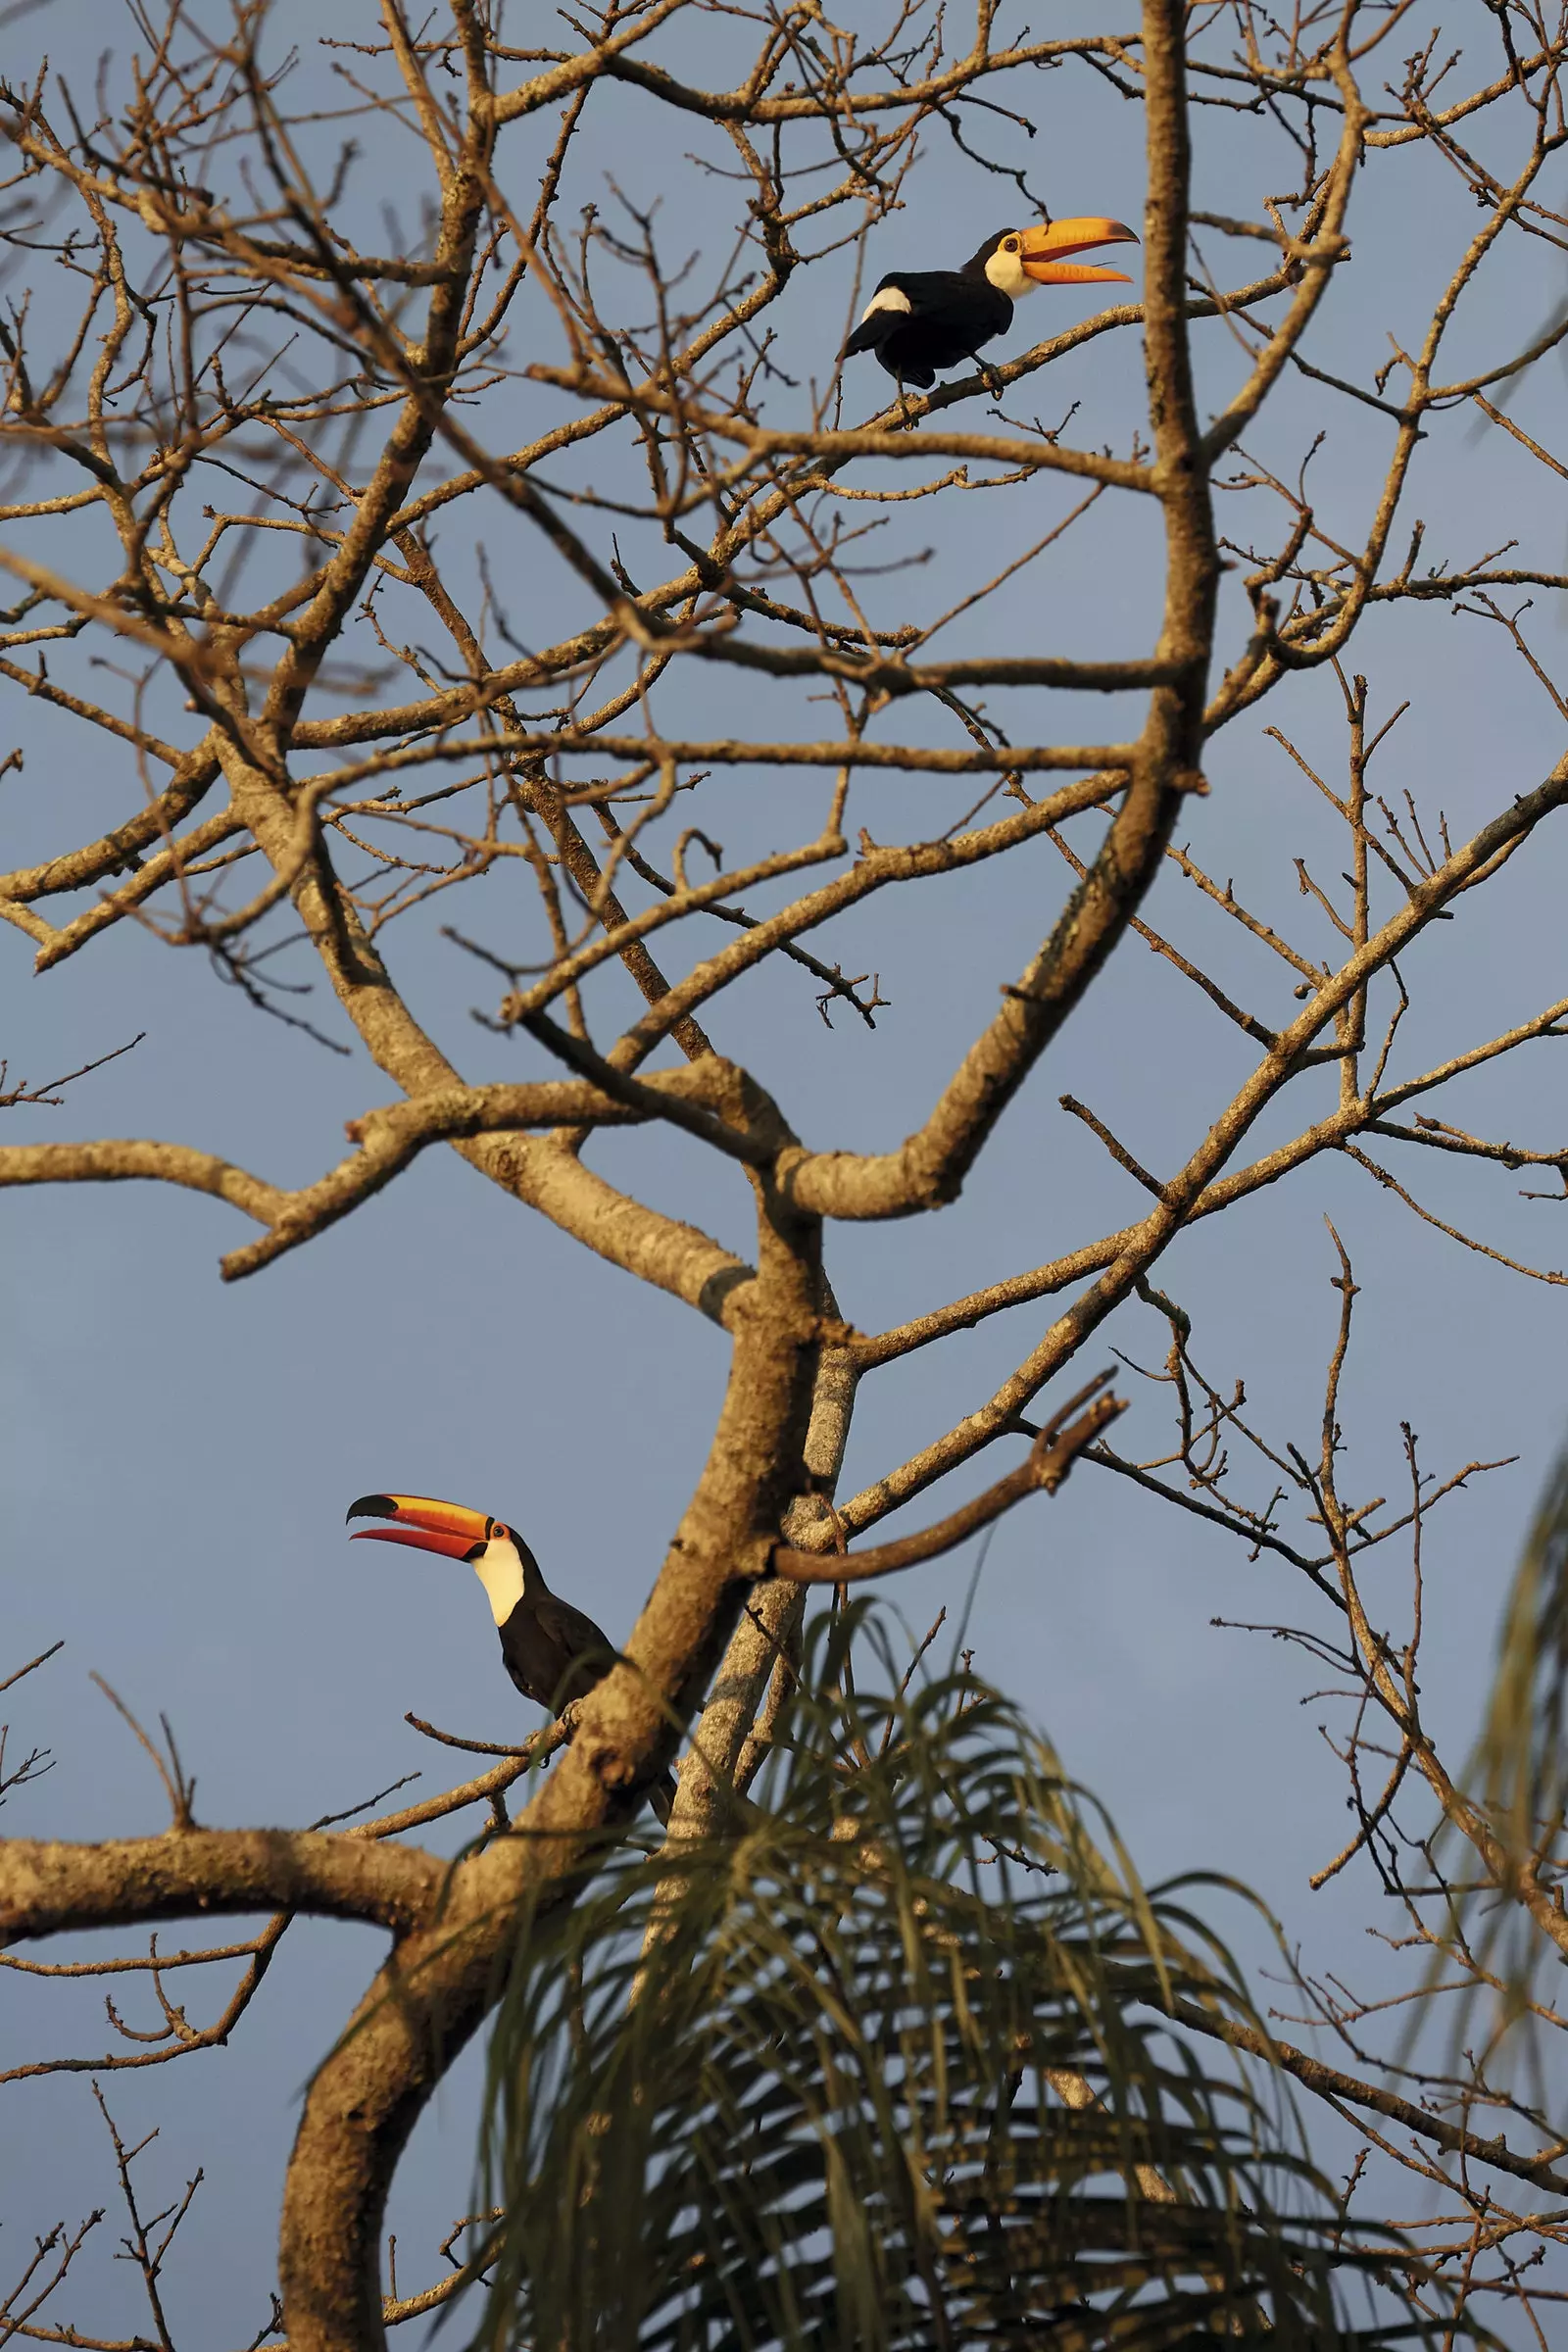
(1050, 1457)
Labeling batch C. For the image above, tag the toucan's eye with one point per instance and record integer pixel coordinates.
(499, 1534)
(1011, 245)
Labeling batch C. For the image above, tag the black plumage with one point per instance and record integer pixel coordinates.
(554, 1652)
(950, 313)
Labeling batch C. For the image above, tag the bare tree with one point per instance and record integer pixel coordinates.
(260, 480)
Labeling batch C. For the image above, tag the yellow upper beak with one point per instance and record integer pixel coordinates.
(423, 1522)
(1044, 251)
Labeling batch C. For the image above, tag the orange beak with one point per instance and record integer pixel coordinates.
(427, 1524)
(1044, 251)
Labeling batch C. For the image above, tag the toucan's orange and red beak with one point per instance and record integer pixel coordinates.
(1044, 251)
(425, 1523)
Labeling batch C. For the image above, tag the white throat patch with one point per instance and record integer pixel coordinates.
(887, 298)
(1007, 274)
(500, 1571)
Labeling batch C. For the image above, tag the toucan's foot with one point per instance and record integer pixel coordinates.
(993, 382)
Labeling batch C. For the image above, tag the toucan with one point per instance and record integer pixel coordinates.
(921, 319)
(554, 1653)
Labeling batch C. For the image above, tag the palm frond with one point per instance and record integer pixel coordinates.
(1517, 1780)
(1524, 1758)
(887, 2069)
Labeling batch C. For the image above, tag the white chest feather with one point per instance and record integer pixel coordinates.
(886, 298)
(500, 1571)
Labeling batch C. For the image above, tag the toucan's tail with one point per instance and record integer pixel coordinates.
(872, 335)
(662, 1796)
(872, 331)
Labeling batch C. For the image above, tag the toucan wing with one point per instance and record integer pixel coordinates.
(888, 307)
(908, 295)
(575, 1635)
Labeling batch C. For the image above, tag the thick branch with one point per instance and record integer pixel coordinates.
(394, 1135)
(436, 1989)
(156, 823)
(118, 1161)
(46, 1887)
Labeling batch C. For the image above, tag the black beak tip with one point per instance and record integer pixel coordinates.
(371, 1506)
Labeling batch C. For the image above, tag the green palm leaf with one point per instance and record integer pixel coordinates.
(887, 2069)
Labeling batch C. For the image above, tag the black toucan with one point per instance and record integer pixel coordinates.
(553, 1653)
(921, 319)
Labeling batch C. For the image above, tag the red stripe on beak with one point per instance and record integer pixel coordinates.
(456, 1544)
(423, 1522)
